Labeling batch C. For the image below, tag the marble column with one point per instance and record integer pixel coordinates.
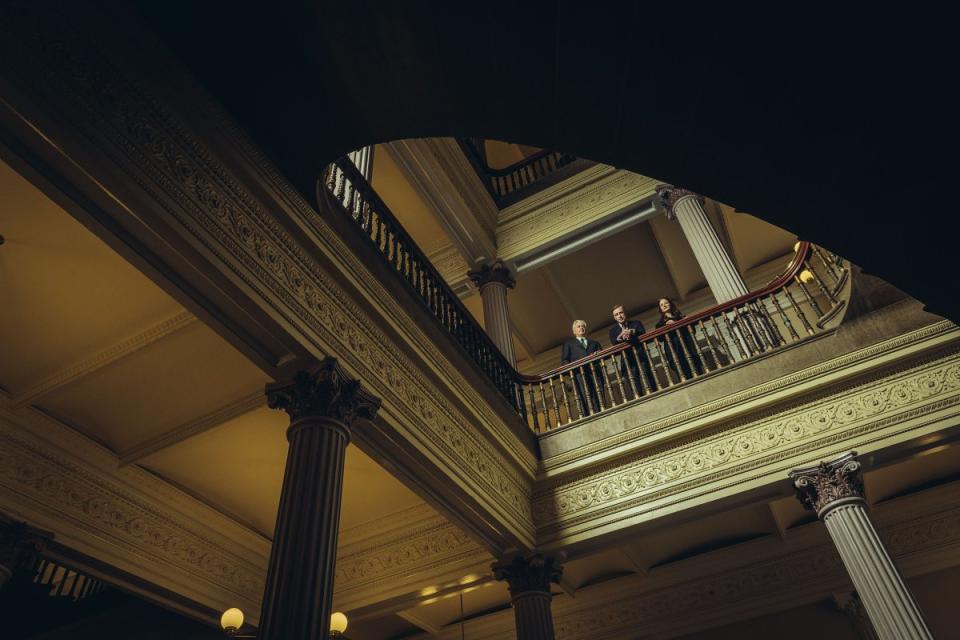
(529, 579)
(686, 208)
(322, 404)
(834, 490)
(493, 280)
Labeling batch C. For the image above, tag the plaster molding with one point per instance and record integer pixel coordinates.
(194, 427)
(221, 216)
(130, 519)
(824, 374)
(126, 517)
(87, 365)
(584, 199)
(719, 588)
(444, 177)
(730, 458)
(453, 268)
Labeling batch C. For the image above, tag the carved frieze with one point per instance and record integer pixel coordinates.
(559, 210)
(221, 215)
(712, 457)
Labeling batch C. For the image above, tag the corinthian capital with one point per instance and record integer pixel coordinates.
(825, 484)
(495, 272)
(325, 391)
(523, 573)
(669, 196)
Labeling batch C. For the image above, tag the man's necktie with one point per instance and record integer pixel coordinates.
(583, 342)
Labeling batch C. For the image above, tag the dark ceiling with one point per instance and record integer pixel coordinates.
(832, 126)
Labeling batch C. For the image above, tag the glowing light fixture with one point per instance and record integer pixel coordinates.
(231, 621)
(806, 276)
(338, 624)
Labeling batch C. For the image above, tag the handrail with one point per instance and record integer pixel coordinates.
(781, 313)
(519, 175)
(793, 268)
(697, 345)
(346, 187)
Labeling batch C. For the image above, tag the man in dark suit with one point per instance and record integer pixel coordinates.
(630, 331)
(585, 381)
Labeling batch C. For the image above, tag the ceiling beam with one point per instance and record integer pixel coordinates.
(194, 427)
(419, 622)
(96, 361)
(442, 175)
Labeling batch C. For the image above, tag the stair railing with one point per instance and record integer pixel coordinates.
(504, 182)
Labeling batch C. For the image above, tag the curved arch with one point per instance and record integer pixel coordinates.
(803, 127)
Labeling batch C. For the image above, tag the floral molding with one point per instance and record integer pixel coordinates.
(166, 162)
(556, 211)
(744, 581)
(125, 517)
(723, 458)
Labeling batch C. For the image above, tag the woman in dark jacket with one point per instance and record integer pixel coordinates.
(669, 314)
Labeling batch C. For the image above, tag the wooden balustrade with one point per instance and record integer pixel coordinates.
(347, 188)
(504, 182)
(798, 304)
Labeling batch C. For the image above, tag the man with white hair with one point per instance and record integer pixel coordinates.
(577, 348)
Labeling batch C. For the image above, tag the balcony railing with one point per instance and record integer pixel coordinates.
(502, 183)
(798, 304)
(346, 188)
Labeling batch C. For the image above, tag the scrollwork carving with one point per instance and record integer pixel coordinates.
(323, 392)
(525, 573)
(828, 482)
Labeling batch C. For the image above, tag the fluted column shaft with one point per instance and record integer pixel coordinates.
(835, 491)
(322, 405)
(529, 578)
(493, 281)
(722, 276)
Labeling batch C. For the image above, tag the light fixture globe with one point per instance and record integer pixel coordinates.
(338, 623)
(806, 276)
(231, 620)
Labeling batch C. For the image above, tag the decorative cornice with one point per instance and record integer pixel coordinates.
(728, 456)
(220, 215)
(326, 391)
(586, 198)
(115, 521)
(823, 485)
(669, 196)
(496, 272)
(776, 388)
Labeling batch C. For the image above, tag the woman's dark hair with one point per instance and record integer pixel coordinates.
(674, 311)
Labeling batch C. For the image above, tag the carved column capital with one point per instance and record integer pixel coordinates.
(497, 272)
(526, 573)
(326, 391)
(669, 196)
(829, 484)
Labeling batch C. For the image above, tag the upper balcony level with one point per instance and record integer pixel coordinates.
(798, 295)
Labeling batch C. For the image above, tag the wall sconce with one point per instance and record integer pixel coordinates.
(232, 621)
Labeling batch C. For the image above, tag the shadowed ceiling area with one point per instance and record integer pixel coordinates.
(797, 120)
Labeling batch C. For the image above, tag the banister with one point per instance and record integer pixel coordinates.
(793, 269)
(700, 344)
